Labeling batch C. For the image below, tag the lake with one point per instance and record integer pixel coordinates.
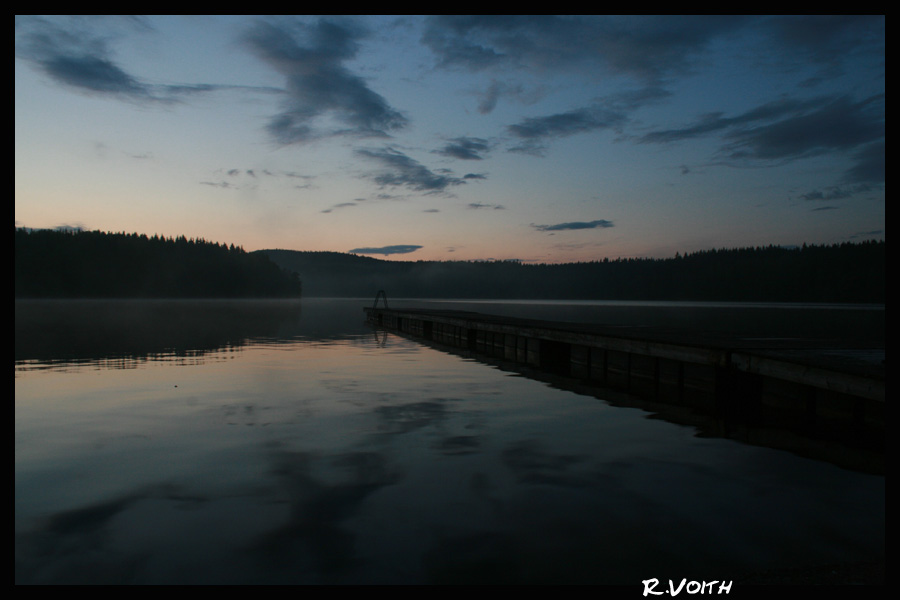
(243, 442)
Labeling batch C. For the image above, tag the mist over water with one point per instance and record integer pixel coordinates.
(288, 442)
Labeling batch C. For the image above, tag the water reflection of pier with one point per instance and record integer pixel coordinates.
(821, 398)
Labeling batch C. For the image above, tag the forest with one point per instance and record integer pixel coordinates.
(845, 273)
(93, 264)
(82, 264)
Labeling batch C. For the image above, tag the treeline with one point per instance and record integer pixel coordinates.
(59, 264)
(94, 264)
(849, 272)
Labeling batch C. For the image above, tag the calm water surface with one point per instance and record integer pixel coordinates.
(276, 442)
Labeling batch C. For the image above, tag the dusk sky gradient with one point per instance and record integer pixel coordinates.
(535, 138)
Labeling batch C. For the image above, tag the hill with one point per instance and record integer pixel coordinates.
(850, 272)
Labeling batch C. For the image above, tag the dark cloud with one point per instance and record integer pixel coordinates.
(837, 192)
(297, 175)
(826, 40)
(650, 48)
(250, 172)
(716, 122)
(408, 172)
(219, 184)
(236, 173)
(487, 99)
(76, 52)
(398, 249)
(815, 195)
(318, 85)
(601, 223)
(789, 129)
(869, 235)
(490, 97)
(94, 73)
(564, 124)
(641, 46)
(841, 124)
(339, 205)
(629, 100)
(307, 179)
(477, 205)
(465, 148)
(609, 112)
(869, 165)
(536, 131)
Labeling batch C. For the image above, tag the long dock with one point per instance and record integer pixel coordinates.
(829, 389)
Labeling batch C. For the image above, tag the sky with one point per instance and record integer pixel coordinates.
(543, 139)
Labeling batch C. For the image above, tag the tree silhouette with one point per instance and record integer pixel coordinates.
(837, 273)
(118, 265)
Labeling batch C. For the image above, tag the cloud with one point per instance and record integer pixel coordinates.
(297, 175)
(72, 53)
(407, 172)
(318, 86)
(536, 131)
(837, 192)
(841, 124)
(385, 250)
(869, 165)
(340, 205)
(76, 52)
(477, 205)
(489, 98)
(873, 234)
(496, 89)
(563, 124)
(788, 129)
(601, 223)
(235, 177)
(465, 148)
(641, 46)
(249, 172)
(94, 73)
(716, 122)
(646, 48)
(608, 112)
(826, 40)
(219, 184)
(307, 179)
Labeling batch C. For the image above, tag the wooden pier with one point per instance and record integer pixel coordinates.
(829, 390)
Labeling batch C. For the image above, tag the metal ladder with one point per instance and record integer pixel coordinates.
(380, 294)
